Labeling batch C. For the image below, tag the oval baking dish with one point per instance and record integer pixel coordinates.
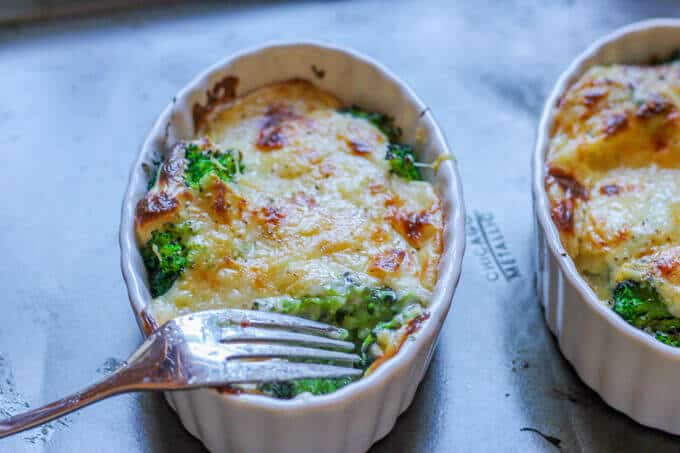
(630, 369)
(355, 416)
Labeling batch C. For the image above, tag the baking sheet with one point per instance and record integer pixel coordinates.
(77, 98)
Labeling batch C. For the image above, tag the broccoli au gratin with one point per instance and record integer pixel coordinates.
(289, 201)
(613, 181)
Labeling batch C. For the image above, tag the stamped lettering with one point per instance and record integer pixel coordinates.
(487, 242)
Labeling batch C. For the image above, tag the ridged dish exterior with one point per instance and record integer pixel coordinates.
(631, 371)
(349, 425)
(353, 418)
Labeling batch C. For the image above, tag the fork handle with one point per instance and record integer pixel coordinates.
(149, 368)
(120, 381)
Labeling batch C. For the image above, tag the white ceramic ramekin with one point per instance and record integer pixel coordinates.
(632, 371)
(356, 416)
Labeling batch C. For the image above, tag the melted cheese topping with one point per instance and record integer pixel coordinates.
(613, 169)
(316, 200)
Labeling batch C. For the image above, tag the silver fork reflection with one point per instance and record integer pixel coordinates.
(214, 348)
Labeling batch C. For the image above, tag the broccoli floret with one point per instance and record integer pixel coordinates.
(367, 307)
(317, 308)
(383, 122)
(361, 310)
(669, 339)
(166, 256)
(402, 161)
(357, 309)
(640, 304)
(201, 163)
(290, 389)
(401, 158)
(282, 390)
(320, 386)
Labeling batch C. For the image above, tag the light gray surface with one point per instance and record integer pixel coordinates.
(76, 99)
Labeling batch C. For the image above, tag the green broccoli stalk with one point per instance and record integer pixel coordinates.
(383, 122)
(203, 162)
(166, 255)
(402, 162)
(640, 304)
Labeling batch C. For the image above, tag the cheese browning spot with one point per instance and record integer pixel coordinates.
(155, 205)
(303, 199)
(655, 105)
(610, 189)
(375, 188)
(615, 123)
(271, 218)
(221, 93)
(220, 205)
(593, 95)
(272, 135)
(562, 211)
(415, 227)
(412, 327)
(387, 262)
(359, 148)
(171, 171)
(668, 264)
(571, 187)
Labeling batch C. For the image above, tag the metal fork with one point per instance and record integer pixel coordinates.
(214, 348)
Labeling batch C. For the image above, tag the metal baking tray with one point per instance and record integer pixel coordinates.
(77, 97)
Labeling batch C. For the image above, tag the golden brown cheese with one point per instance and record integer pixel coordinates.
(316, 200)
(618, 116)
(613, 170)
(161, 204)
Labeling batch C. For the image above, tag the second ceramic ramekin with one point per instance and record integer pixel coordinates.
(632, 371)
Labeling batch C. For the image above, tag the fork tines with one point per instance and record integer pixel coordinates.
(266, 319)
(239, 334)
(278, 370)
(276, 347)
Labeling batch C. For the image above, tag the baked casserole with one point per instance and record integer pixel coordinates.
(289, 201)
(613, 181)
